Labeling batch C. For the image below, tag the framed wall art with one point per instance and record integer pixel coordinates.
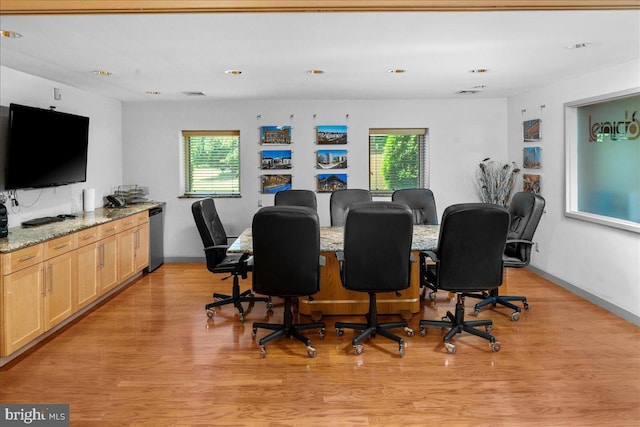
(331, 134)
(271, 184)
(275, 159)
(531, 158)
(531, 130)
(275, 135)
(531, 183)
(331, 159)
(329, 182)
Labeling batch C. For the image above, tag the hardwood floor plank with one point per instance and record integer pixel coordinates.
(151, 357)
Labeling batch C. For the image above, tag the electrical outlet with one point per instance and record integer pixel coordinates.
(259, 203)
(537, 247)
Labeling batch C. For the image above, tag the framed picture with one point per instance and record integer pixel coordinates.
(271, 184)
(275, 159)
(531, 130)
(275, 135)
(331, 159)
(329, 182)
(531, 158)
(531, 183)
(331, 134)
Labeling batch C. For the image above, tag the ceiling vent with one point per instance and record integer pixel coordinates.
(468, 92)
(194, 93)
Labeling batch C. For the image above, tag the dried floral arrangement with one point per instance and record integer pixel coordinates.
(495, 181)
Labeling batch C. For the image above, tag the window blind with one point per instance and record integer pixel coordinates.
(212, 163)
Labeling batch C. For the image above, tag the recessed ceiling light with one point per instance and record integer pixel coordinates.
(468, 92)
(152, 92)
(315, 72)
(396, 71)
(578, 45)
(193, 93)
(102, 73)
(10, 34)
(479, 70)
(233, 72)
(479, 87)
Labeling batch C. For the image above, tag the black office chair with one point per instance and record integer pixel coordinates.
(216, 243)
(296, 198)
(286, 253)
(423, 206)
(376, 258)
(526, 210)
(341, 200)
(468, 259)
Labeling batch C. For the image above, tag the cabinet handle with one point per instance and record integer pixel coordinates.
(61, 246)
(137, 239)
(44, 282)
(111, 229)
(88, 237)
(26, 258)
(50, 267)
(102, 256)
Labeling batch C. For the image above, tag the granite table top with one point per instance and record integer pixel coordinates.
(21, 237)
(425, 237)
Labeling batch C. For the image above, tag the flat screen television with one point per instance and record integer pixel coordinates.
(45, 148)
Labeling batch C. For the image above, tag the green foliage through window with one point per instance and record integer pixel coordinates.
(212, 163)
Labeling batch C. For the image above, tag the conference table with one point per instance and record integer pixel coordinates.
(333, 299)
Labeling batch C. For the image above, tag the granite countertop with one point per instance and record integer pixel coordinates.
(20, 237)
(425, 237)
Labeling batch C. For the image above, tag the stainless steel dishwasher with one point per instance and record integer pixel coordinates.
(156, 238)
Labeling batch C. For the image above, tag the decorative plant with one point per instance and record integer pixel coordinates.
(495, 181)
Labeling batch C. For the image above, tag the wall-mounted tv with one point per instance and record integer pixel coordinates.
(45, 148)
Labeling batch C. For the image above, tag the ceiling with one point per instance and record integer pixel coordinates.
(178, 53)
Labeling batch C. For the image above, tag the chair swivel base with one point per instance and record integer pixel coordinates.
(493, 298)
(372, 328)
(236, 299)
(457, 325)
(287, 329)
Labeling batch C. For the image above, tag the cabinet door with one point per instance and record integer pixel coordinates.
(142, 247)
(23, 307)
(108, 265)
(59, 281)
(126, 247)
(87, 284)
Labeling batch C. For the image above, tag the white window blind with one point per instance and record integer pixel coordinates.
(212, 163)
(398, 159)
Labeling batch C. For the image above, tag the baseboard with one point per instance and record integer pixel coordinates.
(612, 308)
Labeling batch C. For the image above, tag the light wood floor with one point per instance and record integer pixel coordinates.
(150, 357)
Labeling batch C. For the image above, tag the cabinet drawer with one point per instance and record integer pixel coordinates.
(108, 229)
(25, 257)
(127, 223)
(141, 218)
(87, 236)
(58, 246)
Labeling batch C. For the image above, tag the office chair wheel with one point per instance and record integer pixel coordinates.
(241, 315)
(253, 333)
(409, 331)
(311, 351)
(487, 329)
(401, 349)
(263, 352)
(357, 349)
(515, 316)
(321, 333)
(339, 332)
(269, 306)
(526, 305)
(476, 312)
(495, 346)
(423, 331)
(211, 313)
(451, 348)
(432, 295)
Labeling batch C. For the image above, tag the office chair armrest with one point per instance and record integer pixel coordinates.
(526, 242)
(429, 254)
(322, 261)
(210, 248)
(340, 256)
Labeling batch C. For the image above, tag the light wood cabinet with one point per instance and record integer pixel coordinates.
(45, 284)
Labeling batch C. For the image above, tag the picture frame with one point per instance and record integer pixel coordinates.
(531, 130)
(272, 135)
(271, 184)
(531, 158)
(329, 182)
(531, 183)
(331, 134)
(331, 159)
(275, 159)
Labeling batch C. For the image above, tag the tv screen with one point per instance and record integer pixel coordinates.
(46, 148)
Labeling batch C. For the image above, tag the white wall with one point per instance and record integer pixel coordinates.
(104, 168)
(462, 133)
(599, 260)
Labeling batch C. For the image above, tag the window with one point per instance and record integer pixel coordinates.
(398, 158)
(211, 163)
